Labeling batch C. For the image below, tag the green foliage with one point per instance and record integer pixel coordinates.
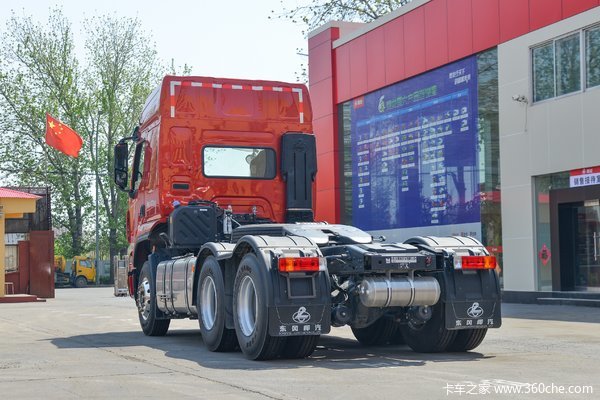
(100, 96)
(316, 13)
(123, 69)
(39, 74)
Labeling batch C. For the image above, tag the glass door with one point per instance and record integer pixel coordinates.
(587, 246)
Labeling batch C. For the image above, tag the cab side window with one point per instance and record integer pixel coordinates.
(138, 165)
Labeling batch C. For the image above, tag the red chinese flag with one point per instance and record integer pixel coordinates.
(62, 138)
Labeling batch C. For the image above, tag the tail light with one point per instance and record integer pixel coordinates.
(300, 264)
(474, 262)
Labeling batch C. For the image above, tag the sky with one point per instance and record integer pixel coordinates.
(217, 38)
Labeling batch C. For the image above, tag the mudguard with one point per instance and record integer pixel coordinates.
(154, 259)
(472, 298)
(298, 303)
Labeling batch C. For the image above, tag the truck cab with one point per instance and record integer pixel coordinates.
(83, 271)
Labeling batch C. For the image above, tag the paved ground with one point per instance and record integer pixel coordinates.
(86, 343)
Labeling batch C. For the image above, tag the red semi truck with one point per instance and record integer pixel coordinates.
(221, 229)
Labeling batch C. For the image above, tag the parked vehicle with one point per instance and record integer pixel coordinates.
(80, 273)
(220, 225)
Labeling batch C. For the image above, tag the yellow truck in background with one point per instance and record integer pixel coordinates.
(82, 271)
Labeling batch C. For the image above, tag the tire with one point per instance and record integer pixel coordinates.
(80, 282)
(397, 338)
(300, 346)
(210, 301)
(146, 303)
(250, 314)
(467, 339)
(379, 333)
(430, 337)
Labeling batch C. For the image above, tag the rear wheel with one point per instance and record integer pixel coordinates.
(300, 346)
(397, 337)
(147, 308)
(467, 339)
(211, 308)
(431, 336)
(250, 314)
(381, 332)
(80, 282)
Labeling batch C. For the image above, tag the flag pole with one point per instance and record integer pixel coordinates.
(96, 261)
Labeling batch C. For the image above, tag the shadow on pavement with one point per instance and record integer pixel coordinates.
(332, 352)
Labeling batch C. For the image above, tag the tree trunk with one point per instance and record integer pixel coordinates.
(113, 251)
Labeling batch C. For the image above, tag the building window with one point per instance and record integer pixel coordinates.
(558, 68)
(592, 57)
(11, 256)
(543, 72)
(568, 65)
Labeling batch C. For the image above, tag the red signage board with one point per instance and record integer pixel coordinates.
(584, 177)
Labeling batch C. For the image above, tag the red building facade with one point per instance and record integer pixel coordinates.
(349, 60)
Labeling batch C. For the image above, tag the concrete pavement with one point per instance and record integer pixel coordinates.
(86, 343)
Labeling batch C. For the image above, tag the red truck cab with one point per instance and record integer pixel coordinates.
(216, 140)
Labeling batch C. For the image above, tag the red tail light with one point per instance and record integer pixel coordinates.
(475, 262)
(300, 264)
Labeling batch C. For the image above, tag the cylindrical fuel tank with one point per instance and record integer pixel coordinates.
(172, 287)
(399, 291)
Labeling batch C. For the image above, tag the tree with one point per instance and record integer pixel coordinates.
(123, 70)
(39, 73)
(317, 13)
(101, 99)
(313, 14)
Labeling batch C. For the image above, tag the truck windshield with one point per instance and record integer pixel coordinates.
(239, 162)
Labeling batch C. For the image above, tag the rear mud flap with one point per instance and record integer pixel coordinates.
(473, 314)
(472, 299)
(294, 320)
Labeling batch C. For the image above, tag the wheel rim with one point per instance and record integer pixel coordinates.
(247, 307)
(144, 298)
(208, 303)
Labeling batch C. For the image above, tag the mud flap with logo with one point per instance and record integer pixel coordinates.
(301, 304)
(472, 300)
(313, 319)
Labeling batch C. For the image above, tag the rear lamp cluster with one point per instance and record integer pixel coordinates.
(301, 264)
(474, 262)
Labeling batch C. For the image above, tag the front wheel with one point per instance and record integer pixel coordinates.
(147, 308)
(80, 282)
(211, 308)
(431, 336)
(250, 314)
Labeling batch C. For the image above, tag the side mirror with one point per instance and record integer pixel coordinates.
(121, 157)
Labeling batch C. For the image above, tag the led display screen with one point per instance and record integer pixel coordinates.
(414, 151)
